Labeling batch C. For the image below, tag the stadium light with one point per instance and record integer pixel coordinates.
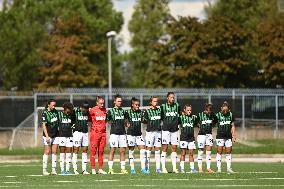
(110, 35)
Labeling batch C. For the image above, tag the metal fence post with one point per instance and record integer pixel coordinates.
(243, 115)
(35, 120)
(71, 98)
(106, 100)
(276, 132)
(141, 99)
(209, 98)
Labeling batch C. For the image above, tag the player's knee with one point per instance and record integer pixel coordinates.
(122, 150)
(191, 153)
(183, 152)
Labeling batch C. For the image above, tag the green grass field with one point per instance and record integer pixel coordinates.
(248, 175)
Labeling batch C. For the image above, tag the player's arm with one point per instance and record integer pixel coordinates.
(145, 117)
(44, 127)
(109, 117)
(233, 130)
(126, 120)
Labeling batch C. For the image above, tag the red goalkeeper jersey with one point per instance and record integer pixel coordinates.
(98, 117)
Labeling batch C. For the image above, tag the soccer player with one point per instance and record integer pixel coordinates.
(134, 135)
(50, 133)
(207, 120)
(98, 134)
(80, 136)
(226, 134)
(116, 117)
(170, 112)
(65, 136)
(152, 117)
(187, 123)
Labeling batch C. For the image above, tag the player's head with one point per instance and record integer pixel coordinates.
(50, 104)
(225, 107)
(117, 100)
(68, 107)
(84, 107)
(135, 103)
(100, 101)
(208, 108)
(187, 109)
(171, 97)
(154, 101)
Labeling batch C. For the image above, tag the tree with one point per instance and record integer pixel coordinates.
(147, 27)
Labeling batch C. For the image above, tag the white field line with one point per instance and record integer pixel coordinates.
(12, 182)
(66, 181)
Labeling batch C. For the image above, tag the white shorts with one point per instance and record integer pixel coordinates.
(204, 140)
(117, 141)
(66, 141)
(153, 139)
(187, 145)
(54, 140)
(80, 139)
(170, 137)
(135, 140)
(224, 142)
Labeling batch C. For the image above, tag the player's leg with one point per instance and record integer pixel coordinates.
(101, 149)
(62, 146)
(157, 145)
(183, 146)
(209, 144)
(174, 144)
(122, 144)
(94, 141)
(113, 140)
(165, 142)
(45, 156)
(84, 144)
(191, 148)
(201, 139)
(131, 146)
(68, 150)
(149, 144)
(220, 145)
(54, 146)
(228, 150)
(76, 143)
(141, 146)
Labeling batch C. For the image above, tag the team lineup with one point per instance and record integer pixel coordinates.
(168, 125)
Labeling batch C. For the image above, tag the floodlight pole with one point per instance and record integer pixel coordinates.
(110, 35)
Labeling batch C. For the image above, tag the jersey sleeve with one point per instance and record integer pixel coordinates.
(195, 124)
(73, 117)
(179, 110)
(126, 115)
(145, 116)
(162, 112)
(109, 116)
(43, 117)
(233, 118)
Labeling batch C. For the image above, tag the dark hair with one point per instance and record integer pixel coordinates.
(85, 105)
(48, 102)
(133, 99)
(151, 98)
(185, 106)
(99, 98)
(117, 96)
(68, 105)
(209, 106)
(169, 93)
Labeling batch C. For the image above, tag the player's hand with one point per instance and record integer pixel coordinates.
(47, 140)
(234, 139)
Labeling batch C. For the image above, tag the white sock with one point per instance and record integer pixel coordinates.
(163, 159)
(143, 158)
(44, 162)
(110, 164)
(131, 158)
(218, 159)
(122, 164)
(74, 161)
(68, 161)
(199, 159)
(182, 165)
(229, 160)
(158, 159)
(208, 159)
(84, 161)
(148, 156)
(62, 161)
(191, 165)
(174, 160)
(53, 162)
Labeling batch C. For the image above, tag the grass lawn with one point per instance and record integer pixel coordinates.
(248, 175)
